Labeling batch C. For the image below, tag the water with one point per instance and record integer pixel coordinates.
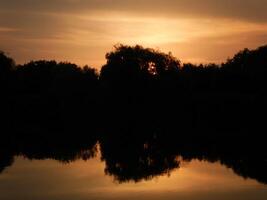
(132, 165)
(89, 178)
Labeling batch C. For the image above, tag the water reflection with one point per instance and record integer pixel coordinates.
(138, 157)
(49, 179)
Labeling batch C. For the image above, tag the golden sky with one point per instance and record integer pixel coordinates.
(82, 31)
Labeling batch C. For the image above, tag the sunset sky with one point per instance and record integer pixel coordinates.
(82, 31)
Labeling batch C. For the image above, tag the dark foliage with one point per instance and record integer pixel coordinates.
(144, 109)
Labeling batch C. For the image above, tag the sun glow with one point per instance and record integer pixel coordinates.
(85, 38)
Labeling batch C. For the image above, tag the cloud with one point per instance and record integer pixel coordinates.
(215, 48)
(240, 9)
(83, 31)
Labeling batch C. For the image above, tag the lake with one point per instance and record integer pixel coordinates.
(89, 177)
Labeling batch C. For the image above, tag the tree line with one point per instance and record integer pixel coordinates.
(136, 83)
(134, 69)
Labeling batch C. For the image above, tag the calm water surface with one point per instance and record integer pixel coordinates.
(49, 179)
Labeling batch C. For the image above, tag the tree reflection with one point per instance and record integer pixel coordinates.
(136, 156)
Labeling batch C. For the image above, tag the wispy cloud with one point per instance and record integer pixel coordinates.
(83, 31)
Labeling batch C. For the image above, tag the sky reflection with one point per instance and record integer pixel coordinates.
(49, 179)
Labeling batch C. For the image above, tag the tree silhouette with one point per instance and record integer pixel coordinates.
(131, 66)
(53, 77)
(247, 70)
(144, 109)
(7, 64)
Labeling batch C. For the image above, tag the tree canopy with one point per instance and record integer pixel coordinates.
(136, 63)
(7, 64)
